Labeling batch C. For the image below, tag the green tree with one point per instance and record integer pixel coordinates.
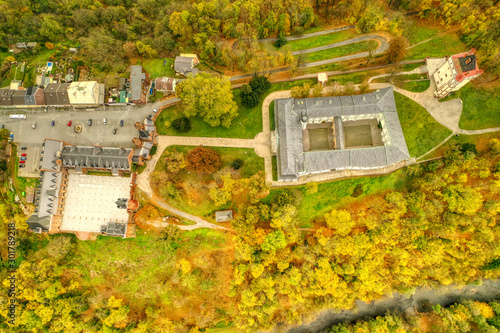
(210, 97)
(260, 84)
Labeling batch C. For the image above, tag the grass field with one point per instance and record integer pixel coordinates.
(156, 69)
(480, 107)
(421, 131)
(330, 195)
(246, 126)
(438, 47)
(308, 43)
(341, 51)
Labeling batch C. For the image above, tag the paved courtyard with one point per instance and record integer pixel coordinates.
(91, 202)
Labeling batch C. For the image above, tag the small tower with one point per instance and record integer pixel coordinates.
(455, 73)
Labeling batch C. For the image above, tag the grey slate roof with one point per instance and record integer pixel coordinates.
(223, 216)
(114, 229)
(183, 65)
(293, 161)
(51, 150)
(136, 78)
(95, 157)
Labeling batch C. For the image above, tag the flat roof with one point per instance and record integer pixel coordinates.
(91, 201)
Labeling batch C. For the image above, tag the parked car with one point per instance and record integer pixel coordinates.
(69, 123)
(24, 148)
(104, 121)
(114, 130)
(22, 162)
(121, 123)
(154, 110)
(22, 165)
(90, 122)
(33, 126)
(23, 159)
(23, 154)
(53, 123)
(3, 126)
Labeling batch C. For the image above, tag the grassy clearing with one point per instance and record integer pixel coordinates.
(330, 195)
(421, 131)
(356, 78)
(480, 107)
(341, 51)
(156, 69)
(246, 126)
(438, 47)
(23, 183)
(151, 274)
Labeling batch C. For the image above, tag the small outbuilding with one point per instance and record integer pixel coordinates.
(322, 78)
(223, 216)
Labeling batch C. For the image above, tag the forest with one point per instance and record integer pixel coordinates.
(112, 33)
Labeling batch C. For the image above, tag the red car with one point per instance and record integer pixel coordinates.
(22, 162)
(23, 154)
(69, 123)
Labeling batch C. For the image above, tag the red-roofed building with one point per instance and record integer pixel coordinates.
(455, 73)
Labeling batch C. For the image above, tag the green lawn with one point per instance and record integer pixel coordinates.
(272, 122)
(341, 51)
(421, 33)
(334, 194)
(421, 131)
(308, 43)
(480, 107)
(156, 69)
(356, 78)
(275, 168)
(438, 47)
(415, 86)
(246, 126)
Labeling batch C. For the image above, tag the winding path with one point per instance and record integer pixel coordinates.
(382, 48)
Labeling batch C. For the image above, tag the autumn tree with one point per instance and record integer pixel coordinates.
(210, 97)
(397, 49)
(203, 160)
(174, 161)
(301, 91)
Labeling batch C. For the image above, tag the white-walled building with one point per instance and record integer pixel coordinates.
(86, 93)
(455, 73)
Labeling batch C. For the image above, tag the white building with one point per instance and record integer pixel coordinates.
(86, 93)
(455, 73)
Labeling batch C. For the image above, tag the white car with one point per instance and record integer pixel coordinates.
(104, 121)
(33, 126)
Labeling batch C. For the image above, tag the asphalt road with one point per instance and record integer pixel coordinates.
(98, 133)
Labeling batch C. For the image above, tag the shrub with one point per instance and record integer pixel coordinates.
(281, 40)
(182, 124)
(237, 163)
(259, 84)
(358, 190)
(284, 198)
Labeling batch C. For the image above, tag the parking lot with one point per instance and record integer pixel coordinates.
(32, 162)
